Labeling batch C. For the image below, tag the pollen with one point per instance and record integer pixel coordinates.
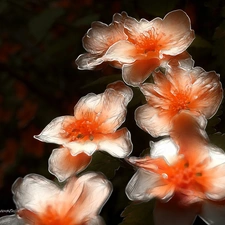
(81, 130)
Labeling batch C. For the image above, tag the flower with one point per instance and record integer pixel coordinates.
(41, 202)
(140, 46)
(94, 124)
(192, 178)
(196, 91)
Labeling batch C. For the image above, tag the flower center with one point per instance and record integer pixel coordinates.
(83, 129)
(179, 101)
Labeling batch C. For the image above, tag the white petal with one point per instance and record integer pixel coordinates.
(95, 192)
(88, 147)
(164, 148)
(63, 165)
(11, 220)
(33, 189)
(148, 119)
(52, 132)
(97, 220)
(119, 147)
(213, 214)
(122, 51)
(141, 185)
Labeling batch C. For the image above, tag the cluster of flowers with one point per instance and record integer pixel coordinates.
(183, 170)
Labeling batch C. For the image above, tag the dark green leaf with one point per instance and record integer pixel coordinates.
(105, 163)
(138, 214)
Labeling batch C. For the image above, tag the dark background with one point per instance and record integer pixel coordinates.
(39, 42)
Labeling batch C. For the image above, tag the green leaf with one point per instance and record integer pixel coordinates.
(40, 24)
(138, 214)
(105, 163)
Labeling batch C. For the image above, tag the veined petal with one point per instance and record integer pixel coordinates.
(11, 220)
(148, 119)
(176, 27)
(27, 192)
(88, 147)
(95, 192)
(124, 90)
(164, 148)
(88, 61)
(63, 165)
(143, 184)
(52, 132)
(122, 51)
(137, 72)
(118, 144)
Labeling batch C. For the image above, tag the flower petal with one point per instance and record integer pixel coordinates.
(164, 148)
(11, 220)
(28, 190)
(176, 27)
(95, 192)
(52, 132)
(143, 186)
(63, 165)
(122, 51)
(118, 144)
(136, 73)
(150, 120)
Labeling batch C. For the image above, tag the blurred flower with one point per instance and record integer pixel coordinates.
(194, 90)
(194, 176)
(94, 124)
(139, 47)
(40, 201)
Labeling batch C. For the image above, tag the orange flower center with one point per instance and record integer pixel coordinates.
(184, 175)
(84, 129)
(179, 101)
(52, 217)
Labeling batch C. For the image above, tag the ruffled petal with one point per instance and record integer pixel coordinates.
(150, 120)
(30, 191)
(144, 186)
(137, 72)
(52, 133)
(95, 192)
(118, 144)
(88, 61)
(164, 148)
(178, 35)
(122, 51)
(122, 89)
(63, 165)
(11, 220)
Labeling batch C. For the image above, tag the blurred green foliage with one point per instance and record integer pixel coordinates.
(39, 41)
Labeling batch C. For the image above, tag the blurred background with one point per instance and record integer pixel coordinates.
(39, 42)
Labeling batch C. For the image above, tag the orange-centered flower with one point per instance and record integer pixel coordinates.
(138, 47)
(195, 175)
(94, 124)
(192, 90)
(41, 202)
